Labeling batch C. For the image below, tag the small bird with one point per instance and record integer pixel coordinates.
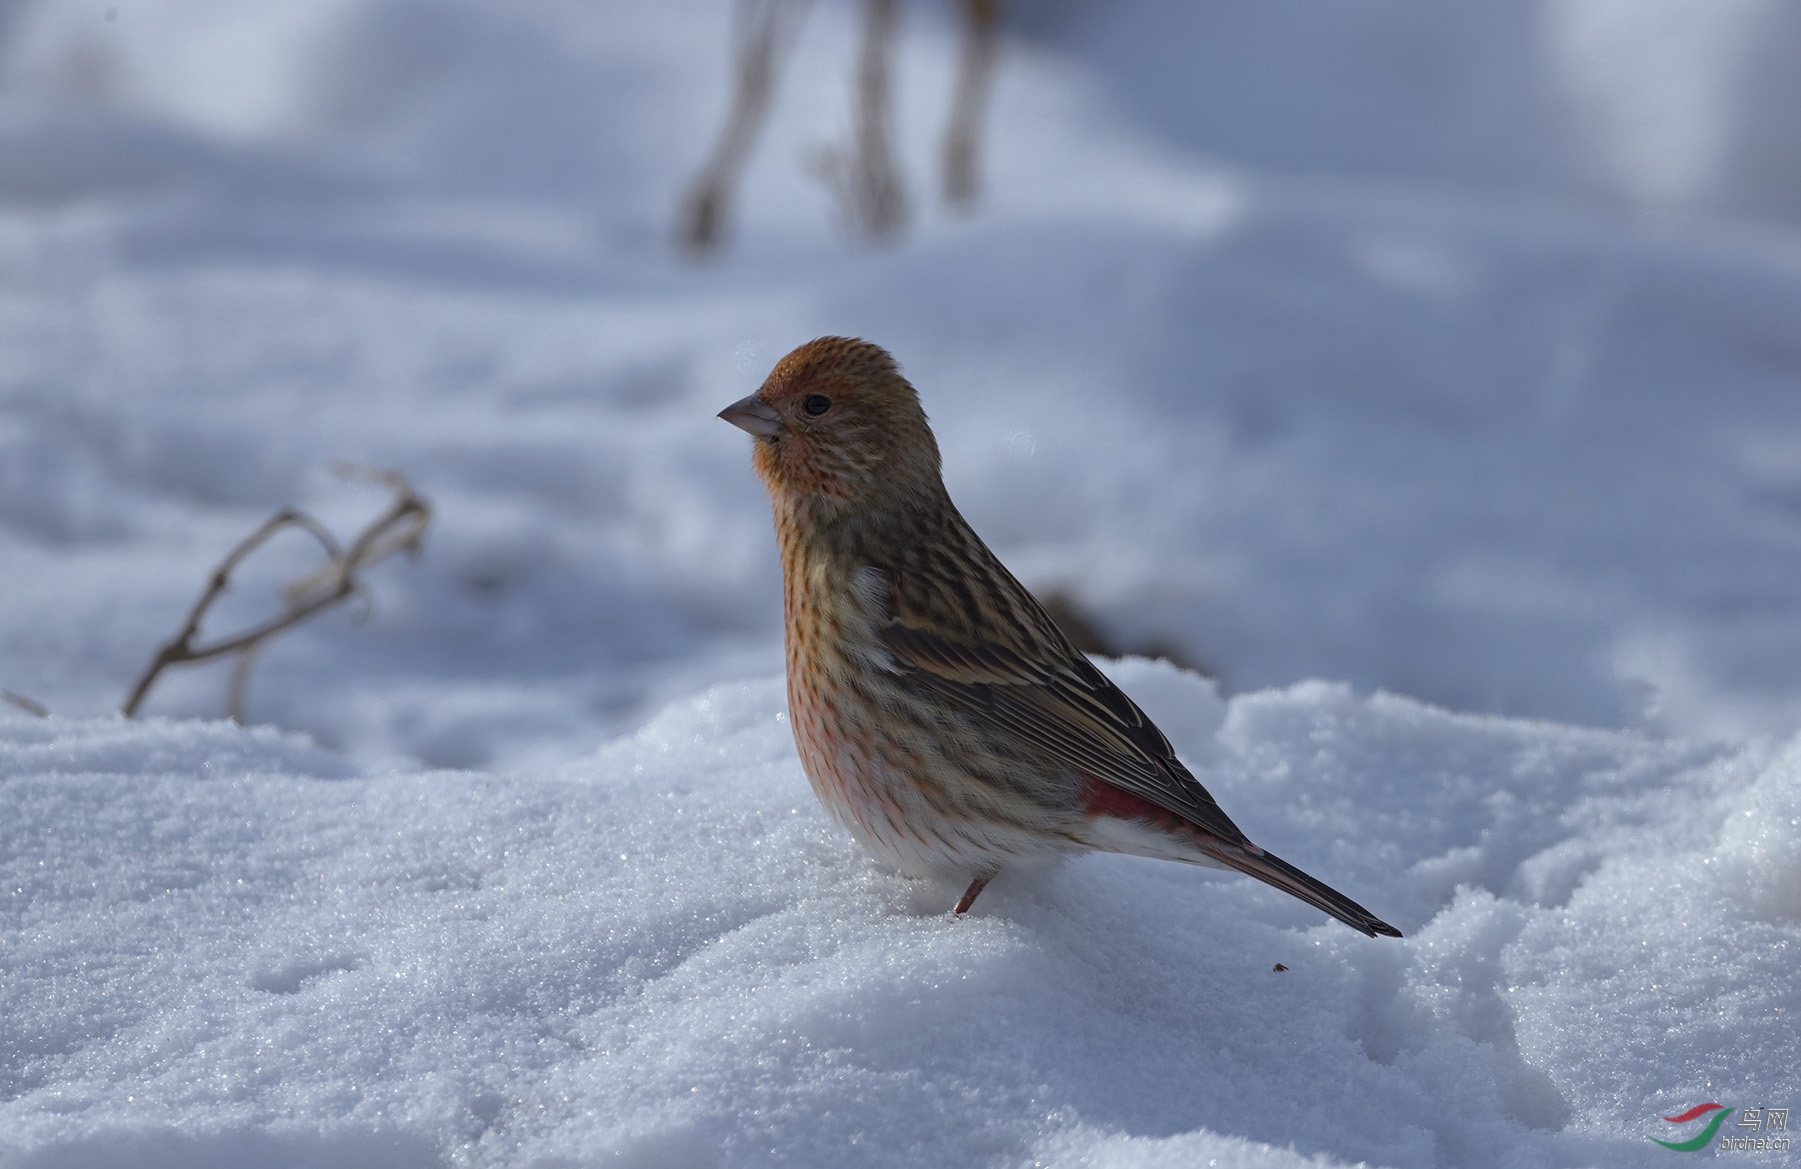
(941, 715)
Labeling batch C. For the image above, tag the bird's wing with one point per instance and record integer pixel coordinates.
(1067, 707)
(1022, 674)
(1072, 711)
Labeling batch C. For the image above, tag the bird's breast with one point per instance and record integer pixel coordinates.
(851, 719)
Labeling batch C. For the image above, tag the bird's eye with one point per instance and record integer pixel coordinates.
(816, 404)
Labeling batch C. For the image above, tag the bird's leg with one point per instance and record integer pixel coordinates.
(970, 894)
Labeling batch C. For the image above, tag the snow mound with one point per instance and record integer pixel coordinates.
(223, 949)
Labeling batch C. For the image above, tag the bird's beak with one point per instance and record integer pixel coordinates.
(754, 415)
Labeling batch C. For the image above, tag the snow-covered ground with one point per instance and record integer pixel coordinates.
(1446, 354)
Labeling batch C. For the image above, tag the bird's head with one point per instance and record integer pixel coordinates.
(837, 425)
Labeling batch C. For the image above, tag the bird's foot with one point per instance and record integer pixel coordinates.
(970, 894)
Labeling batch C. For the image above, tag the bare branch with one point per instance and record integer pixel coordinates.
(240, 685)
(400, 528)
(365, 602)
(865, 178)
(862, 173)
(882, 199)
(764, 32)
(28, 705)
(975, 74)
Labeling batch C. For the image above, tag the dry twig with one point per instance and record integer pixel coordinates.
(400, 528)
(862, 175)
(28, 705)
(865, 177)
(764, 32)
(975, 73)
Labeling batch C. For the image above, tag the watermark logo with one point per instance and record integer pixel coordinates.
(1757, 1121)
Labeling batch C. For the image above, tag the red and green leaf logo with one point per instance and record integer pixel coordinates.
(1705, 1136)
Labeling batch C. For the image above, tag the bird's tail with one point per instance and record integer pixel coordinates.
(1273, 870)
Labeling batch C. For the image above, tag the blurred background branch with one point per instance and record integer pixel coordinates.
(28, 705)
(975, 75)
(864, 175)
(763, 33)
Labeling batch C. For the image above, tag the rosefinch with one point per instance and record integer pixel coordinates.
(941, 715)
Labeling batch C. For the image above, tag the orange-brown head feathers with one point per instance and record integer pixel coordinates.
(837, 424)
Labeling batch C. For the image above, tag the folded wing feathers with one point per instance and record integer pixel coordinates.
(1085, 721)
(1089, 725)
